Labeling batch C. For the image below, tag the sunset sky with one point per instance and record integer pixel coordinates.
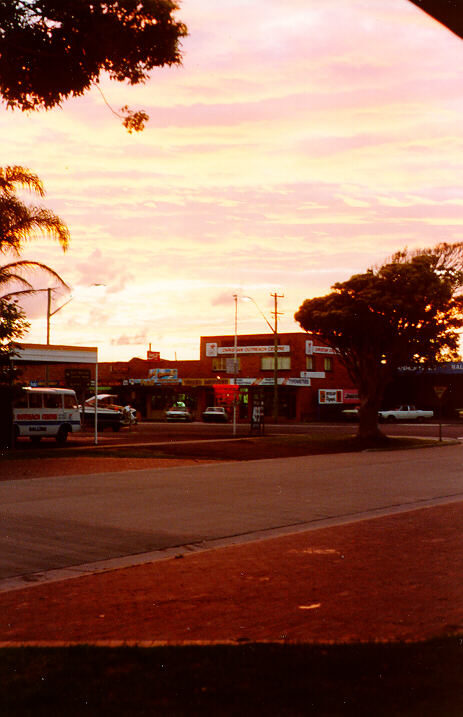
(299, 143)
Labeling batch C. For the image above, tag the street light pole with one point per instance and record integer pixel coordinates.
(275, 356)
(235, 366)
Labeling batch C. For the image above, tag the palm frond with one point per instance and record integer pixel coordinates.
(13, 177)
(13, 273)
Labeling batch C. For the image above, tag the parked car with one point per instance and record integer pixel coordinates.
(110, 413)
(350, 414)
(215, 414)
(177, 413)
(110, 400)
(404, 413)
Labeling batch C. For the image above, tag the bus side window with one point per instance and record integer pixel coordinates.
(52, 400)
(35, 400)
(70, 401)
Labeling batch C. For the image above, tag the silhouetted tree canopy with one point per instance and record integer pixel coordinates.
(447, 12)
(404, 313)
(54, 49)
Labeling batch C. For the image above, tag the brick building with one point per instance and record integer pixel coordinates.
(312, 383)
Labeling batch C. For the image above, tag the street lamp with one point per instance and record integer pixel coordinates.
(274, 330)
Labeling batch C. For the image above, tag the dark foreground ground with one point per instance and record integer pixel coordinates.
(422, 679)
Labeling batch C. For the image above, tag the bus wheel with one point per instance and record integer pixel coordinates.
(61, 436)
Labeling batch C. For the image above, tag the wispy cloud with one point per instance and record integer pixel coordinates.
(300, 142)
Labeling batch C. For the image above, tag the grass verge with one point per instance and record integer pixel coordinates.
(240, 449)
(421, 678)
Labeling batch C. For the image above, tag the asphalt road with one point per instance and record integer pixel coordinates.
(157, 432)
(79, 523)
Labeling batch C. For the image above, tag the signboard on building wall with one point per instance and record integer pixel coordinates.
(350, 395)
(230, 350)
(311, 349)
(269, 381)
(213, 350)
(203, 381)
(163, 375)
(330, 395)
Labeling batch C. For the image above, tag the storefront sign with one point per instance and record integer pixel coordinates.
(203, 381)
(330, 395)
(313, 374)
(269, 381)
(163, 375)
(350, 395)
(230, 350)
(214, 350)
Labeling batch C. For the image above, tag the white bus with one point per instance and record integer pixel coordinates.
(40, 412)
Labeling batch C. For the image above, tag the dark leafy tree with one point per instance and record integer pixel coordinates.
(407, 312)
(447, 12)
(13, 326)
(54, 49)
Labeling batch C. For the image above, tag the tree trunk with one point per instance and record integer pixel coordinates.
(371, 395)
(368, 428)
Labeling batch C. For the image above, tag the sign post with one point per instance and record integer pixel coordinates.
(257, 415)
(439, 391)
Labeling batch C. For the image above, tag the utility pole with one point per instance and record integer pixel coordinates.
(275, 359)
(51, 313)
(235, 364)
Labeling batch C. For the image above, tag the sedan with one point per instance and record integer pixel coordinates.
(178, 414)
(217, 414)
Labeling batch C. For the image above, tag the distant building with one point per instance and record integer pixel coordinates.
(312, 383)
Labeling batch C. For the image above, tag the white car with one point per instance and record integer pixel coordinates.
(177, 413)
(215, 414)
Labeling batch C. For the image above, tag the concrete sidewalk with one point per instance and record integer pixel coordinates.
(388, 578)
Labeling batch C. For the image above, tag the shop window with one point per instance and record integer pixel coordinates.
(226, 363)
(328, 363)
(267, 363)
(310, 363)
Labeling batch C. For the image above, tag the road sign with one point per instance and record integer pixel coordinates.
(440, 390)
